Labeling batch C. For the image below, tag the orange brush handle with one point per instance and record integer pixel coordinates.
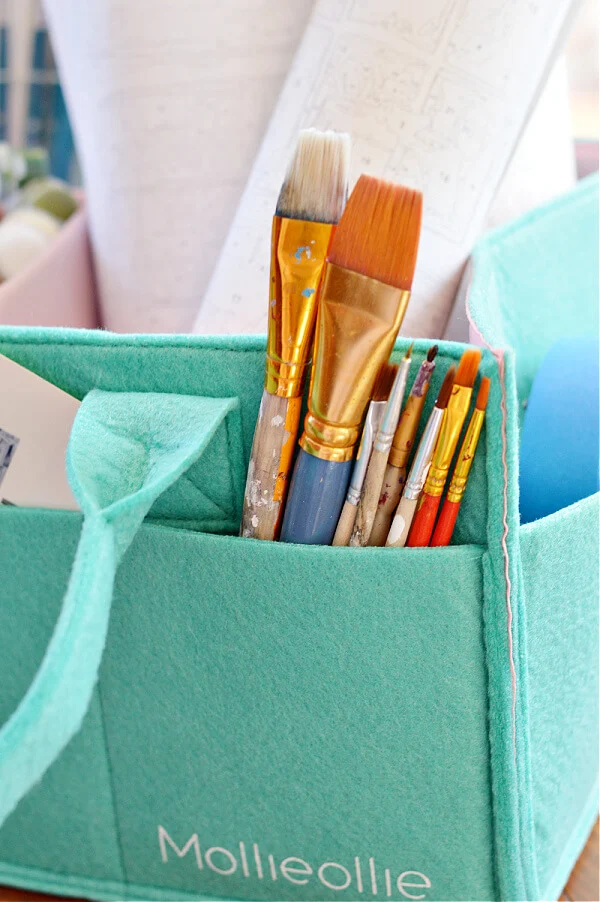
(424, 521)
(445, 525)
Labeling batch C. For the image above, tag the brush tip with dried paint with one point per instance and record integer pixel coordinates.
(446, 389)
(483, 394)
(315, 187)
(432, 353)
(384, 381)
(467, 368)
(409, 351)
(378, 232)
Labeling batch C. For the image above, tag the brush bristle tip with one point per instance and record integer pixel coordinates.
(385, 380)
(315, 187)
(467, 368)
(378, 233)
(483, 394)
(446, 389)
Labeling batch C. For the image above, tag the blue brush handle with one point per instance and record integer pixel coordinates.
(317, 493)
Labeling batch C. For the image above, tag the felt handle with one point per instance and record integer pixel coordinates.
(125, 450)
(316, 497)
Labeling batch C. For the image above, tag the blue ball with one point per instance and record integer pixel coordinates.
(560, 437)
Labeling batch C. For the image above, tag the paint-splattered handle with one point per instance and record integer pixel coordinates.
(367, 506)
(270, 466)
(391, 490)
(401, 523)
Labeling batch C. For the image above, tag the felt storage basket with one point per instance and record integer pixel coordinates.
(275, 721)
(58, 287)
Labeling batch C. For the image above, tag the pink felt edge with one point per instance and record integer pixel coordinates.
(58, 289)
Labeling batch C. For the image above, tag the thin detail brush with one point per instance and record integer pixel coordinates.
(447, 519)
(457, 409)
(310, 203)
(420, 466)
(367, 506)
(381, 392)
(395, 472)
(364, 294)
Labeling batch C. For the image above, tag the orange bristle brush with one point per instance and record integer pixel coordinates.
(364, 293)
(445, 524)
(405, 511)
(456, 412)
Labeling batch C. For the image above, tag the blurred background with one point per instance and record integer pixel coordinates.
(33, 111)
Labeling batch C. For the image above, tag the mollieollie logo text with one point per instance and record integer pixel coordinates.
(362, 876)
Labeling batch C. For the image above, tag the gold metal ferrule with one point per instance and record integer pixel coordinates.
(465, 457)
(357, 324)
(457, 410)
(298, 251)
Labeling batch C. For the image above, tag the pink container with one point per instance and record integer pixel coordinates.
(58, 289)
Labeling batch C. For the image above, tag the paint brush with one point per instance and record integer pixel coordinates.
(363, 298)
(447, 519)
(456, 412)
(367, 506)
(310, 203)
(420, 466)
(395, 472)
(381, 392)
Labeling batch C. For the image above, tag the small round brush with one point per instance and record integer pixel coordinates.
(420, 466)
(456, 412)
(447, 519)
(367, 506)
(395, 472)
(381, 391)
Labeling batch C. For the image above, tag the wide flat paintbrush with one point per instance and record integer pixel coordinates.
(395, 472)
(310, 203)
(447, 519)
(365, 291)
(456, 412)
(367, 506)
(381, 391)
(405, 511)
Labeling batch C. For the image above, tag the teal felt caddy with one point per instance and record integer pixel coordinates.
(277, 722)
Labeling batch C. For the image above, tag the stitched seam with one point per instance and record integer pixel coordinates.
(203, 495)
(513, 673)
(111, 782)
(499, 355)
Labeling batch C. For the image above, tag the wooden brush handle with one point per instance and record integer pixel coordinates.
(367, 506)
(391, 490)
(345, 524)
(445, 525)
(422, 528)
(269, 468)
(401, 523)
